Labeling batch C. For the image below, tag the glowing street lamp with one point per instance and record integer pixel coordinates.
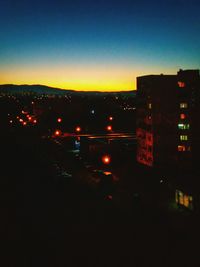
(78, 129)
(109, 128)
(57, 132)
(110, 118)
(106, 159)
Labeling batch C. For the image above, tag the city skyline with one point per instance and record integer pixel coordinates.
(96, 45)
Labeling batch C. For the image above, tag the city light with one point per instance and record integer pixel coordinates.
(181, 84)
(106, 159)
(109, 128)
(182, 116)
(59, 120)
(78, 129)
(57, 132)
(110, 118)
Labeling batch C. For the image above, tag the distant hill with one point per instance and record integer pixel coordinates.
(47, 90)
(37, 89)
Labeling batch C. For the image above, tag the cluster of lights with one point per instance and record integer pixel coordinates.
(109, 128)
(28, 119)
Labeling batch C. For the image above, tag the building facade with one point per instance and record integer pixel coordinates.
(167, 127)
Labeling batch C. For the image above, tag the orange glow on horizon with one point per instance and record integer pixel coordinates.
(78, 78)
(108, 77)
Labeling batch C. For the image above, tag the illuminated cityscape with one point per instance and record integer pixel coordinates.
(96, 162)
(100, 133)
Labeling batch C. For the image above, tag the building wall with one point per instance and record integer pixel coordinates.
(168, 111)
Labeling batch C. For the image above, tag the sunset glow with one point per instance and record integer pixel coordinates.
(97, 45)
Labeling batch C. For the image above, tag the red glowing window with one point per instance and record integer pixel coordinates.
(181, 148)
(181, 84)
(182, 116)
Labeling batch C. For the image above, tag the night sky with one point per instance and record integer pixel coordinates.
(96, 45)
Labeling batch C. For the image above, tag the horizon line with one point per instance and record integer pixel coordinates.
(67, 89)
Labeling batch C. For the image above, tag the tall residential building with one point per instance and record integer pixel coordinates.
(168, 112)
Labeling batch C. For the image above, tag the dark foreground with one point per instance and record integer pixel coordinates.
(59, 222)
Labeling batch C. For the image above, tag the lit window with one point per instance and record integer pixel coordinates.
(181, 148)
(181, 84)
(150, 105)
(183, 137)
(183, 126)
(182, 116)
(183, 105)
(184, 199)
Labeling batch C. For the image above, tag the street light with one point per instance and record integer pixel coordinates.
(106, 159)
(78, 129)
(57, 132)
(109, 128)
(110, 118)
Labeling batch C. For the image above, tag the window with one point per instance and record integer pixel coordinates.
(183, 126)
(183, 105)
(181, 84)
(182, 116)
(150, 105)
(183, 137)
(181, 148)
(184, 199)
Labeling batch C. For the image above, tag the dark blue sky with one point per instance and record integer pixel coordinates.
(96, 44)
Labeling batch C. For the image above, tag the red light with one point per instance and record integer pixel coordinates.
(29, 118)
(59, 120)
(57, 132)
(182, 116)
(181, 84)
(35, 121)
(24, 123)
(106, 159)
(78, 129)
(109, 128)
(109, 197)
(110, 118)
